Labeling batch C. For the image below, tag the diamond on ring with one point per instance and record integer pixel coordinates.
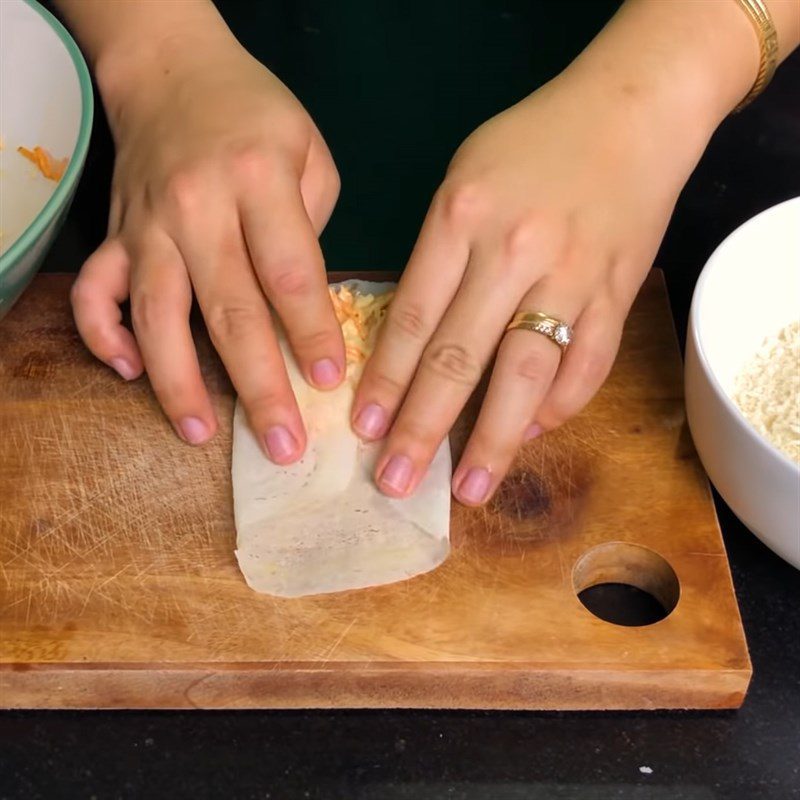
(554, 329)
(562, 334)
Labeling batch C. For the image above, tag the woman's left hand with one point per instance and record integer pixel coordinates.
(556, 205)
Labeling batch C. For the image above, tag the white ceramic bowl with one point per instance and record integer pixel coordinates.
(748, 290)
(45, 100)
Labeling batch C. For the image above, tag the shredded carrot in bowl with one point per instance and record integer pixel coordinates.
(52, 168)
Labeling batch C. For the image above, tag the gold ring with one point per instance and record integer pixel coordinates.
(554, 329)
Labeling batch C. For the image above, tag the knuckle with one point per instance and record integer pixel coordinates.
(81, 293)
(287, 278)
(250, 165)
(150, 311)
(385, 384)
(184, 189)
(232, 250)
(453, 362)
(463, 203)
(231, 322)
(522, 238)
(558, 409)
(314, 341)
(97, 339)
(171, 393)
(270, 405)
(408, 318)
(417, 435)
(593, 368)
(495, 444)
(261, 407)
(534, 367)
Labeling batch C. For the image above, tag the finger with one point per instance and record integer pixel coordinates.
(585, 367)
(449, 371)
(320, 184)
(426, 289)
(241, 329)
(96, 296)
(524, 370)
(161, 299)
(289, 264)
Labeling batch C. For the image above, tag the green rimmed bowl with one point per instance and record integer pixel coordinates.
(46, 100)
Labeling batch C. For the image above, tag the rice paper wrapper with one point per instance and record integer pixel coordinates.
(321, 525)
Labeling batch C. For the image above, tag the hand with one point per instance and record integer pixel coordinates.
(556, 205)
(222, 185)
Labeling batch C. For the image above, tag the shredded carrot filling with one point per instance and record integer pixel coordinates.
(359, 315)
(52, 168)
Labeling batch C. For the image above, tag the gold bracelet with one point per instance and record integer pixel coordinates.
(758, 13)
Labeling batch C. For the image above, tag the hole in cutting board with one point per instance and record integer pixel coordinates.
(622, 604)
(626, 584)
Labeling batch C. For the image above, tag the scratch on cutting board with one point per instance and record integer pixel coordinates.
(279, 618)
(3, 572)
(339, 639)
(44, 586)
(87, 598)
(436, 590)
(193, 685)
(62, 523)
(127, 609)
(99, 378)
(98, 545)
(225, 610)
(560, 555)
(114, 576)
(52, 552)
(569, 475)
(230, 610)
(28, 609)
(20, 601)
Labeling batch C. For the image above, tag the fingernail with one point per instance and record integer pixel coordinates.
(532, 432)
(475, 485)
(371, 421)
(325, 372)
(280, 443)
(194, 430)
(124, 368)
(397, 473)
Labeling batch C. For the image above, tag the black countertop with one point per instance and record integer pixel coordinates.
(391, 128)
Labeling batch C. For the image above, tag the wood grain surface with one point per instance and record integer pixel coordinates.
(119, 587)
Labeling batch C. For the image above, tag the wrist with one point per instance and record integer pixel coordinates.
(683, 63)
(132, 78)
(134, 46)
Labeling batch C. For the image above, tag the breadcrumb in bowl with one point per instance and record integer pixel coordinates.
(742, 374)
(768, 390)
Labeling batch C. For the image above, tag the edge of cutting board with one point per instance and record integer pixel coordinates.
(365, 685)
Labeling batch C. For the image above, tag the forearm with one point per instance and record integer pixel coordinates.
(130, 42)
(683, 61)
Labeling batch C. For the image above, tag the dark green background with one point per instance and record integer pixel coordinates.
(395, 87)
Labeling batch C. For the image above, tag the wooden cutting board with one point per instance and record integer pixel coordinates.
(119, 587)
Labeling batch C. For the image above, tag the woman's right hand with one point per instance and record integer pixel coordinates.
(222, 185)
